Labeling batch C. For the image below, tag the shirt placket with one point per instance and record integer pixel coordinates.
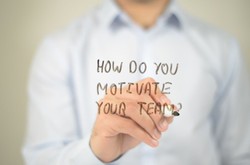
(145, 55)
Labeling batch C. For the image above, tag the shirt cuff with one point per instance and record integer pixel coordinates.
(81, 153)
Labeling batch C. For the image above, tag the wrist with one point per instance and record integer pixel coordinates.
(100, 149)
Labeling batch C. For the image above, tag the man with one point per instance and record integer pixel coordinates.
(69, 121)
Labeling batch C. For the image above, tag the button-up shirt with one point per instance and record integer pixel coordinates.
(201, 65)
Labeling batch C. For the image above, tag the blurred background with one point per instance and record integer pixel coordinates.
(24, 23)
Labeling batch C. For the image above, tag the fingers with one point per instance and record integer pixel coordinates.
(155, 93)
(136, 113)
(129, 127)
(143, 119)
(157, 116)
(170, 119)
(137, 121)
(148, 115)
(160, 99)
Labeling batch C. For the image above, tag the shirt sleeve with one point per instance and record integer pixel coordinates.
(52, 133)
(231, 113)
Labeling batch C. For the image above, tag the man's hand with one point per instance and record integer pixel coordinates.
(115, 134)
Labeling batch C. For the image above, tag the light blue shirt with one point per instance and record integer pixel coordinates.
(211, 83)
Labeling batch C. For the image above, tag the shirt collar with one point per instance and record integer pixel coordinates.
(112, 16)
